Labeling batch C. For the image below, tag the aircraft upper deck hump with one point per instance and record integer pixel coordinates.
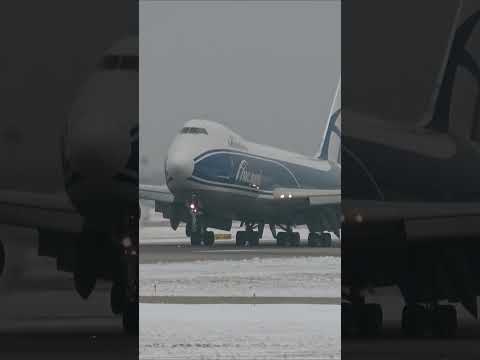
(331, 139)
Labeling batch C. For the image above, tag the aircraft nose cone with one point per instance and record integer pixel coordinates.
(179, 169)
(97, 151)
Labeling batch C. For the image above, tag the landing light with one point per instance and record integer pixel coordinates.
(289, 196)
(192, 206)
(358, 218)
(126, 242)
(282, 196)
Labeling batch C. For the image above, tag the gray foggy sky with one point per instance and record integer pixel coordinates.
(267, 70)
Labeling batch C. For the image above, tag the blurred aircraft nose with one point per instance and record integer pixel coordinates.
(98, 149)
(179, 169)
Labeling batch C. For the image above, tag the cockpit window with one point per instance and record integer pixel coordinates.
(193, 130)
(116, 62)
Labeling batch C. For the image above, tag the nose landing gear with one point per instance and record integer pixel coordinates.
(124, 293)
(197, 229)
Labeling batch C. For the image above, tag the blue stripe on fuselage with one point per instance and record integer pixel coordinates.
(222, 167)
(229, 186)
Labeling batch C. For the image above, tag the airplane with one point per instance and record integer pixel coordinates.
(91, 225)
(411, 205)
(214, 176)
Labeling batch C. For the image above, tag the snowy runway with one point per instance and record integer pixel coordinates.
(229, 303)
(283, 277)
(239, 331)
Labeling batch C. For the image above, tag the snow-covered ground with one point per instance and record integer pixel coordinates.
(170, 331)
(282, 277)
(238, 331)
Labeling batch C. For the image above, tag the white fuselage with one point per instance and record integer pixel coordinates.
(100, 139)
(236, 178)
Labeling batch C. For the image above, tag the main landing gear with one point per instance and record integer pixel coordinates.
(362, 319)
(288, 237)
(249, 237)
(320, 240)
(438, 320)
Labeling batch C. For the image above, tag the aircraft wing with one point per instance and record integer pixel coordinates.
(160, 193)
(52, 211)
(422, 220)
(322, 204)
(314, 197)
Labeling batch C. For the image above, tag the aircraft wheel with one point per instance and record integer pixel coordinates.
(254, 239)
(370, 319)
(240, 238)
(209, 238)
(117, 298)
(188, 229)
(130, 318)
(414, 320)
(444, 321)
(347, 319)
(84, 283)
(294, 239)
(2, 258)
(282, 238)
(196, 238)
(313, 239)
(325, 240)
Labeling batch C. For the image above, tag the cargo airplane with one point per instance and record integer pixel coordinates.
(214, 176)
(90, 226)
(411, 202)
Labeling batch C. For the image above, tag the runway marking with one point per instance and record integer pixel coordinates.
(239, 300)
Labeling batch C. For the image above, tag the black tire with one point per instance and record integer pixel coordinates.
(196, 238)
(325, 240)
(444, 321)
(254, 239)
(282, 238)
(347, 319)
(117, 298)
(414, 320)
(130, 319)
(188, 229)
(240, 238)
(313, 239)
(294, 239)
(209, 238)
(371, 319)
(84, 283)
